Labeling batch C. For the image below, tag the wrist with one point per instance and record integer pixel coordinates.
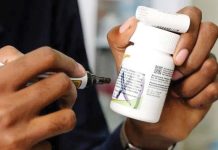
(137, 136)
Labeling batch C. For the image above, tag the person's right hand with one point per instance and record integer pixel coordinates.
(22, 127)
(190, 97)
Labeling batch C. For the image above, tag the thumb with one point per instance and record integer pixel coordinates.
(118, 39)
(9, 54)
(188, 40)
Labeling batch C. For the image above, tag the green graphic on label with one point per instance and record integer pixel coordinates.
(129, 88)
(133, 103)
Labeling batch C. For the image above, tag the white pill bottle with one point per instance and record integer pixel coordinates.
(145, 74)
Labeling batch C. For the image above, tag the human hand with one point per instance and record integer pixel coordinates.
(22, 127)
(189, 98)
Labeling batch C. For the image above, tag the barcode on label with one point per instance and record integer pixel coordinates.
(158, 70)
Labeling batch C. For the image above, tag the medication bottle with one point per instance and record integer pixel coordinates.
(145, 74)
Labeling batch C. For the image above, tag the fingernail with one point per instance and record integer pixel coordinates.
(177, 75)
(126, 25)
(181, 57)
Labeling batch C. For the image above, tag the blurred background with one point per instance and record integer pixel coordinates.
(99, 16)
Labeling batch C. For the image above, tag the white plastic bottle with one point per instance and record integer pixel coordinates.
(145, 74)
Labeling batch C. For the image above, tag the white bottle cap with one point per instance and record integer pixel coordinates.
(178, 23)
(161, 40)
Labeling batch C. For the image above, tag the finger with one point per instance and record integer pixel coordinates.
(208, 32)
(43, 146)
(36, 62)
(68, 100)
(48, 126)
(9, 54)
(188, 40)
(207, 37)
(199, 80)
(206, 97)
(46, 91)
(119, 37)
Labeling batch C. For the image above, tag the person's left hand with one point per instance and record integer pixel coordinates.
(190, 98)
(22, 124)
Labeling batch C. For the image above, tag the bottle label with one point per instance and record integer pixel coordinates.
(129, 88)
(159, 81)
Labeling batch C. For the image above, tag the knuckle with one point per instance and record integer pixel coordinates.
(7, 118)
(113, 37)
(11, 51)
(9, 48)
(109, 37)
(211, 28)
(11, 140)
(183, 136)
(210, 67)
(197, 11)
(45, 48)
(69, 119)
(191, 66)
(110, 33)
(66, 122)
(194, 10)
(186, 94)
(182, 91)
(48, 54)
(213, 91)
(178, 135)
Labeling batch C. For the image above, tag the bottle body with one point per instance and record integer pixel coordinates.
(142, 84)
(145, 74)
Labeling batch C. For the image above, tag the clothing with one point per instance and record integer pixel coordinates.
(30, 24)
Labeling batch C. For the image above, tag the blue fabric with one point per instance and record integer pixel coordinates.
(29, 24)
(113, 142)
